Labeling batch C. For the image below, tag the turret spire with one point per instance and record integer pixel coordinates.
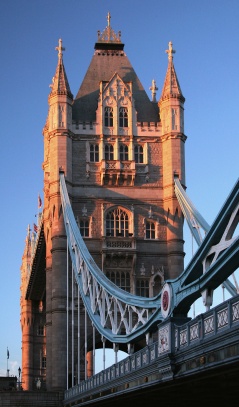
(171, 103)
(171, 84)
(60, 83)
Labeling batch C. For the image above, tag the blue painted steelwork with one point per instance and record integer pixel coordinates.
(104, 300)
(195, 221)
(191, 214)
(218, 326)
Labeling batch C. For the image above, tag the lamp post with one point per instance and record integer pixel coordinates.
(19, 378)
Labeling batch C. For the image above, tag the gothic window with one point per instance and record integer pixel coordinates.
(117, 223)
(85, 228)
(94, 153)
(138, 154)
(142, 288)
(121, 279)
(108, 116)
(43, 362)
(150, 230)
(109, 152)
(123, 117)
(124, 152)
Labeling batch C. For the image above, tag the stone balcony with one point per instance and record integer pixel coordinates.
(117, 172)
(119, 246)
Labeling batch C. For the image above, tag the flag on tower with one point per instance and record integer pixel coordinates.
(39, 202)
(8, 354)
(35, 228)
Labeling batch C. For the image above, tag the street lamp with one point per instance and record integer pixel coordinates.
(19, 378)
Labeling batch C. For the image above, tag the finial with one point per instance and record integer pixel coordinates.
(108, 18)
(170, 51)
(60, 48)
(153, 88)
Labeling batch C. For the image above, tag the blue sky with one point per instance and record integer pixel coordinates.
(205, 35)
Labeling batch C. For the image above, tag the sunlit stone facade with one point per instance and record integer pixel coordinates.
(120, 152)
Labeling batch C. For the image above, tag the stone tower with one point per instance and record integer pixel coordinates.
(120, 153)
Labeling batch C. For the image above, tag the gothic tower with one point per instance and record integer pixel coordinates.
(120, 153)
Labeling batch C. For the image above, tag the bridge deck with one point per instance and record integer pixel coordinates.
(199, 362)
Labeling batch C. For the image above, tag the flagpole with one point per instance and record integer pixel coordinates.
(7, 362)
(38, 209)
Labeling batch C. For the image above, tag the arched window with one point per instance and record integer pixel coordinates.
(138, 154)
(121, 279)
(124, 152)
(108, 117)
(123, 117)
(94, 153)
(150, 230)
(109, 152)
(142, 288)
(117, 223)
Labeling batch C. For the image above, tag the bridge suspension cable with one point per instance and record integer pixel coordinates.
(122, 317)
(119, 316)
(195, 220)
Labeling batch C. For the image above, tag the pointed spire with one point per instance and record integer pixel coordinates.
(171, 86)
(60, 83)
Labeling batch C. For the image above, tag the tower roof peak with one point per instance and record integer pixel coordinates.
(108, 36)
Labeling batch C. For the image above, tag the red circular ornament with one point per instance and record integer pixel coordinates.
(165, 300)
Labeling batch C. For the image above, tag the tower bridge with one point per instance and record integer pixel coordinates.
(106, 267)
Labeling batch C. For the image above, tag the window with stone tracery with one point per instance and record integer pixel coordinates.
(142, 288)
(124, 152)
(123, 117)
(117, 223)
(138, 154)
(108, 116)
(109, 152)
(121, 279)
(94, 153)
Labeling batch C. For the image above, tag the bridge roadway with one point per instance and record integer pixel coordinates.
(196, 362)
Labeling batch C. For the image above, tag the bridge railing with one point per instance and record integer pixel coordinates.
(172, 339)
(212, 322)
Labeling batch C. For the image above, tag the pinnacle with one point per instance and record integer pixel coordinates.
(60, 83)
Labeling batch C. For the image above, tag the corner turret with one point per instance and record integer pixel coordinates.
(171, 107)
(60, 98)
(171, 103)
